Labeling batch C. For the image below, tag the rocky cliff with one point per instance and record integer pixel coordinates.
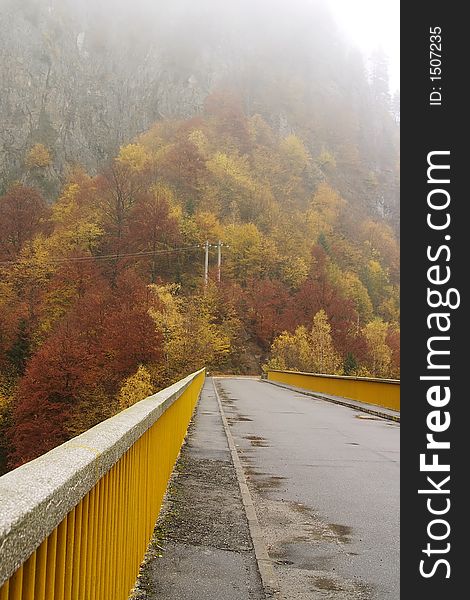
(80, 78)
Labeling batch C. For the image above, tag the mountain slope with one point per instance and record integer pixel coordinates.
(82, 78)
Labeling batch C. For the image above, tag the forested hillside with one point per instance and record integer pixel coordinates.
(122, 154)
(84, 77)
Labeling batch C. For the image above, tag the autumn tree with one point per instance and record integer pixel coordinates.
(393, 342)
(135, 388)
(23, 213)
(324, 357)
(266, 302)
(250, 255)
(38, 157)
(383, 240)
(153, 226)
(192, 337)
(291, 351)
(5, 423)
(184, 168)
(311, 351)
(352, 288)
(376, 280)
(379, 352)
(230, 190)
(27, 279)
(319, 293)
(325, 209)
(76, 218)
(117, 190)
(297, 175)
(54, 381)
(134, 157)
(72, 380)
(225, 108)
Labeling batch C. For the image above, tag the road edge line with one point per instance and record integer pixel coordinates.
(265, 564)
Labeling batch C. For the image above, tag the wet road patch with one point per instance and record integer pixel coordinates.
(257, 441)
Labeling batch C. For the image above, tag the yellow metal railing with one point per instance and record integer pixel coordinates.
(381, 392)
(94, 549)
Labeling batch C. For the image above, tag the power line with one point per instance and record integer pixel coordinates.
(111, 256)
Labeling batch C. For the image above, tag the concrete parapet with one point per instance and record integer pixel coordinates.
(37, 496)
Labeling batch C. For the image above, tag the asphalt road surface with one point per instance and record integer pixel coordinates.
(201, 548)
(325, 483)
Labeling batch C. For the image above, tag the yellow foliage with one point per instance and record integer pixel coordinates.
(4, 407)
(230, 184)
(190, 230)
(294, 271)
(166, 313)
(326, 160)
(389, 309)
(38, 157)
(295, 152)
(135, 388)
(55, 305)
(199, 139)
(33, 267)
(232, 171)
(376, 280)
(153, 139)
(199, 342)
(361, 371)
(290, 351)
(324, 357)
(328, 204)
(135, 156)
(324, 211)
(192, 338)
(77, 226)
(160, 190)
(380, 353)
(293, 235)
(250, 253)
(353, 289)
(260, 132)
(208, 225)
(7, 295)
(63, 207)
(310, 351)
(383, 241)
(292, 173)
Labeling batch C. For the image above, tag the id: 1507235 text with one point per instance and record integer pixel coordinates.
(435, 66)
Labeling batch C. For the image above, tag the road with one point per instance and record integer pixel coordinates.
(201, 546)
(325, 483)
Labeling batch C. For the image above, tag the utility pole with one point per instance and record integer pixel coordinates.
(219, 260)
(206, 264)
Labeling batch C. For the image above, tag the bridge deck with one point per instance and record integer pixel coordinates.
(324, 480)
(203, 527)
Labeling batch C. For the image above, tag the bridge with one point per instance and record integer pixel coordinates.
(285, 488)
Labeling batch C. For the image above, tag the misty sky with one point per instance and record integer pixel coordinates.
(372, 23)
(368, 24)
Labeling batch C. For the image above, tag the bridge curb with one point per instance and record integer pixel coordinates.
(265, 564)
(370, 409)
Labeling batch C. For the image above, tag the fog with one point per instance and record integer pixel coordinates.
(86, 76)
(365, 24)
(371, 24)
